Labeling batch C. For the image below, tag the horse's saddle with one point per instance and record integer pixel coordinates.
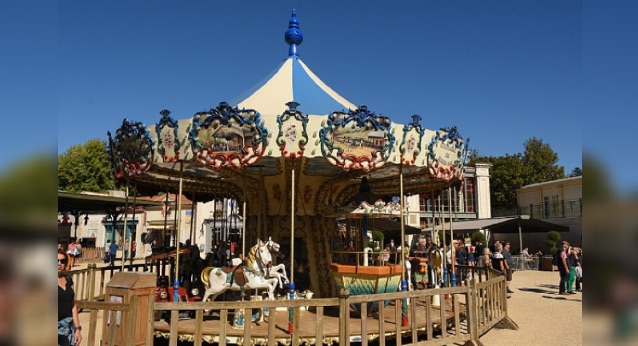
(235, 275)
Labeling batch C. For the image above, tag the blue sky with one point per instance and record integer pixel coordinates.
(502, 71)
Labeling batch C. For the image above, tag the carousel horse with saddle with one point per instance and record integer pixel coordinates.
(254, 272)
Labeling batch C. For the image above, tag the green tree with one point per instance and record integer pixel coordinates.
(537, 164)
(576, 172)
(85, 167)
(541, 162)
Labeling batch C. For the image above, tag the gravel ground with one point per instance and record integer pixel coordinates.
(543, 316)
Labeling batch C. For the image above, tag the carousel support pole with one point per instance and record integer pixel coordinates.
(291, 311)
(243, 218)
(453, 276)
(193, 217)
(130, 261)
(177, 221)
(444, 268)
(404, 282)
(124, 230)
(261, 197)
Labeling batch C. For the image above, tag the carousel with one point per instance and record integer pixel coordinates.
(297, 157)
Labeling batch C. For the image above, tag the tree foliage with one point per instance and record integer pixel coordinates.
(538, 163)
(576, 172)
(553, 238)
(478, 236)
(541, 162)
(85, 167)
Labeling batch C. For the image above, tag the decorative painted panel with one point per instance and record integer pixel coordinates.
(228, 137)
(167, 140)
(358, 139)
(447, 154)
(410, 146)
(292, 137)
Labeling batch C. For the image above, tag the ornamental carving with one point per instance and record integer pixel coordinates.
(130, 150)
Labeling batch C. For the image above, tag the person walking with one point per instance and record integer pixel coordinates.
(509, 264)
(563, 268)
(112, 252)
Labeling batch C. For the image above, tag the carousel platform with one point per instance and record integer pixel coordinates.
(307, 326)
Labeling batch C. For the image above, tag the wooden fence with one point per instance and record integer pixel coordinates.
(475, 306)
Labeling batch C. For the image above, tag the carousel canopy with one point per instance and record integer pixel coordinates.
(291, 121)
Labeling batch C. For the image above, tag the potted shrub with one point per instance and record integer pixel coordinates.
(478, 236)
(553, 238)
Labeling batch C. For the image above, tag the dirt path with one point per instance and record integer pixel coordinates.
(543, 317)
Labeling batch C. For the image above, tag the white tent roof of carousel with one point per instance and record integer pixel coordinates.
(294, 81)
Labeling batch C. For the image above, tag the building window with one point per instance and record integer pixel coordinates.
(550, 206)
(469, 195)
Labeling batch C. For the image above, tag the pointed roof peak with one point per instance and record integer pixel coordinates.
(293, 35)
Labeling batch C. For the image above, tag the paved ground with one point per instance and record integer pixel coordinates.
(543, 316)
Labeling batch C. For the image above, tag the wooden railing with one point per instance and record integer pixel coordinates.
(101, 311)
(90, 282)
(463, 314)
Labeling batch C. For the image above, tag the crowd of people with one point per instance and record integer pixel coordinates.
(499, 256)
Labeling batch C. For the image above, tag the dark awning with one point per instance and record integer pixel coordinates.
(505, 225)
(390, 228)
(95, 204)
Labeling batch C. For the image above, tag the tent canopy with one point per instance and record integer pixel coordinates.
(92, 204)
(391, 229)
(506, 225)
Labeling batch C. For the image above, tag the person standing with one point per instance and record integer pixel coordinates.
(78, 251)
(498, 261)
(572, 261)
(112, 253)
(563, 268)
(485, 260)
(579, 269)
(460, 253)
(509, 264)
(69, 328)
(72, 252)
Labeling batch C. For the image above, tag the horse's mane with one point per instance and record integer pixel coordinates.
(250, 258)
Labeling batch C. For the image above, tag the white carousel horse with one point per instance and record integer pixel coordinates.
(216, 279)
(262, 265)
(278, 271)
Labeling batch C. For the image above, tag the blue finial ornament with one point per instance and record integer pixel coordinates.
(293, 35)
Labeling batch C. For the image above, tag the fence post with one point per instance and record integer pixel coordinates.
(150, 320)
(91, 284)
(344, 313)
(472, 318)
